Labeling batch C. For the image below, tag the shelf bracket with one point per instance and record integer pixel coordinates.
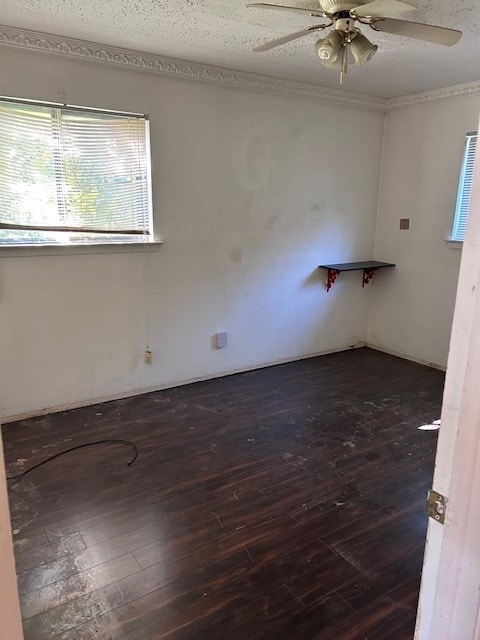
(331, 277)
(367, 276)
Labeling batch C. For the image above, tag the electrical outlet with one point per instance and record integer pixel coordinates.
(404, 223)
(221, 339)
(148, 356)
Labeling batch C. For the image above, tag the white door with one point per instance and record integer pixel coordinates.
(449, 606)
(10, 620)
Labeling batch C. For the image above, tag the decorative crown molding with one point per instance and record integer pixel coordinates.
(48, 43)
(468, 90)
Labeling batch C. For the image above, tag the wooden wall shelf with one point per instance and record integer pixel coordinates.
(369, 267)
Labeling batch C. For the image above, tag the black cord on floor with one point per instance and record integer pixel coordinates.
(80, 446)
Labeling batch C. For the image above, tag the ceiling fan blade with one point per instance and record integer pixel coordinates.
(291, 36)
(281, 7)
(419, 31)
(382, 7)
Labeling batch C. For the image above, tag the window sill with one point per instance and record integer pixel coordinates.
(27, 251)
(455, 244)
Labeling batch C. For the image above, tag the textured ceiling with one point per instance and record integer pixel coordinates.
(223, 32)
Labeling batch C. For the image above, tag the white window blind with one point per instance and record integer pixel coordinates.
(465, 188)
(72, 175)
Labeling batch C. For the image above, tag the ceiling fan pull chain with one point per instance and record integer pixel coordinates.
(344, 62)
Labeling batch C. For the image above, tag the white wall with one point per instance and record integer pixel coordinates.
(411, 311)
(251, 192)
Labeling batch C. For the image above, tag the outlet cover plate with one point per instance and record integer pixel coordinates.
(221, 339)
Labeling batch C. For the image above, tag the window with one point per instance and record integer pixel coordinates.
(464, 189)
(73, 176)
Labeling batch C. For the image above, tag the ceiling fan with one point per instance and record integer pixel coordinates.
(345, 41)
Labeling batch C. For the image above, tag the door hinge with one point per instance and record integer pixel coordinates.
(436, 506)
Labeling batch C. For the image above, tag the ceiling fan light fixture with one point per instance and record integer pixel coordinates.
(362, 49)
(335, 63)
(328, 48)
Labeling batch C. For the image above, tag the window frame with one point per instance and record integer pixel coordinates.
(148, 243)
(460, 218)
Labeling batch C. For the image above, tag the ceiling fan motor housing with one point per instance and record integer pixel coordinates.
(345, 25)
(335, 6)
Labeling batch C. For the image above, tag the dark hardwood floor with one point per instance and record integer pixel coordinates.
(283, 503)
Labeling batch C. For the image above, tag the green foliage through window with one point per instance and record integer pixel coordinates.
(72, 176)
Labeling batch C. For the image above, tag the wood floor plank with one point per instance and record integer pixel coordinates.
(29, 539)
(42, 554)
(405, 594)
(61, 591)
(404, 632)
(375, 622)
(309, 621)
